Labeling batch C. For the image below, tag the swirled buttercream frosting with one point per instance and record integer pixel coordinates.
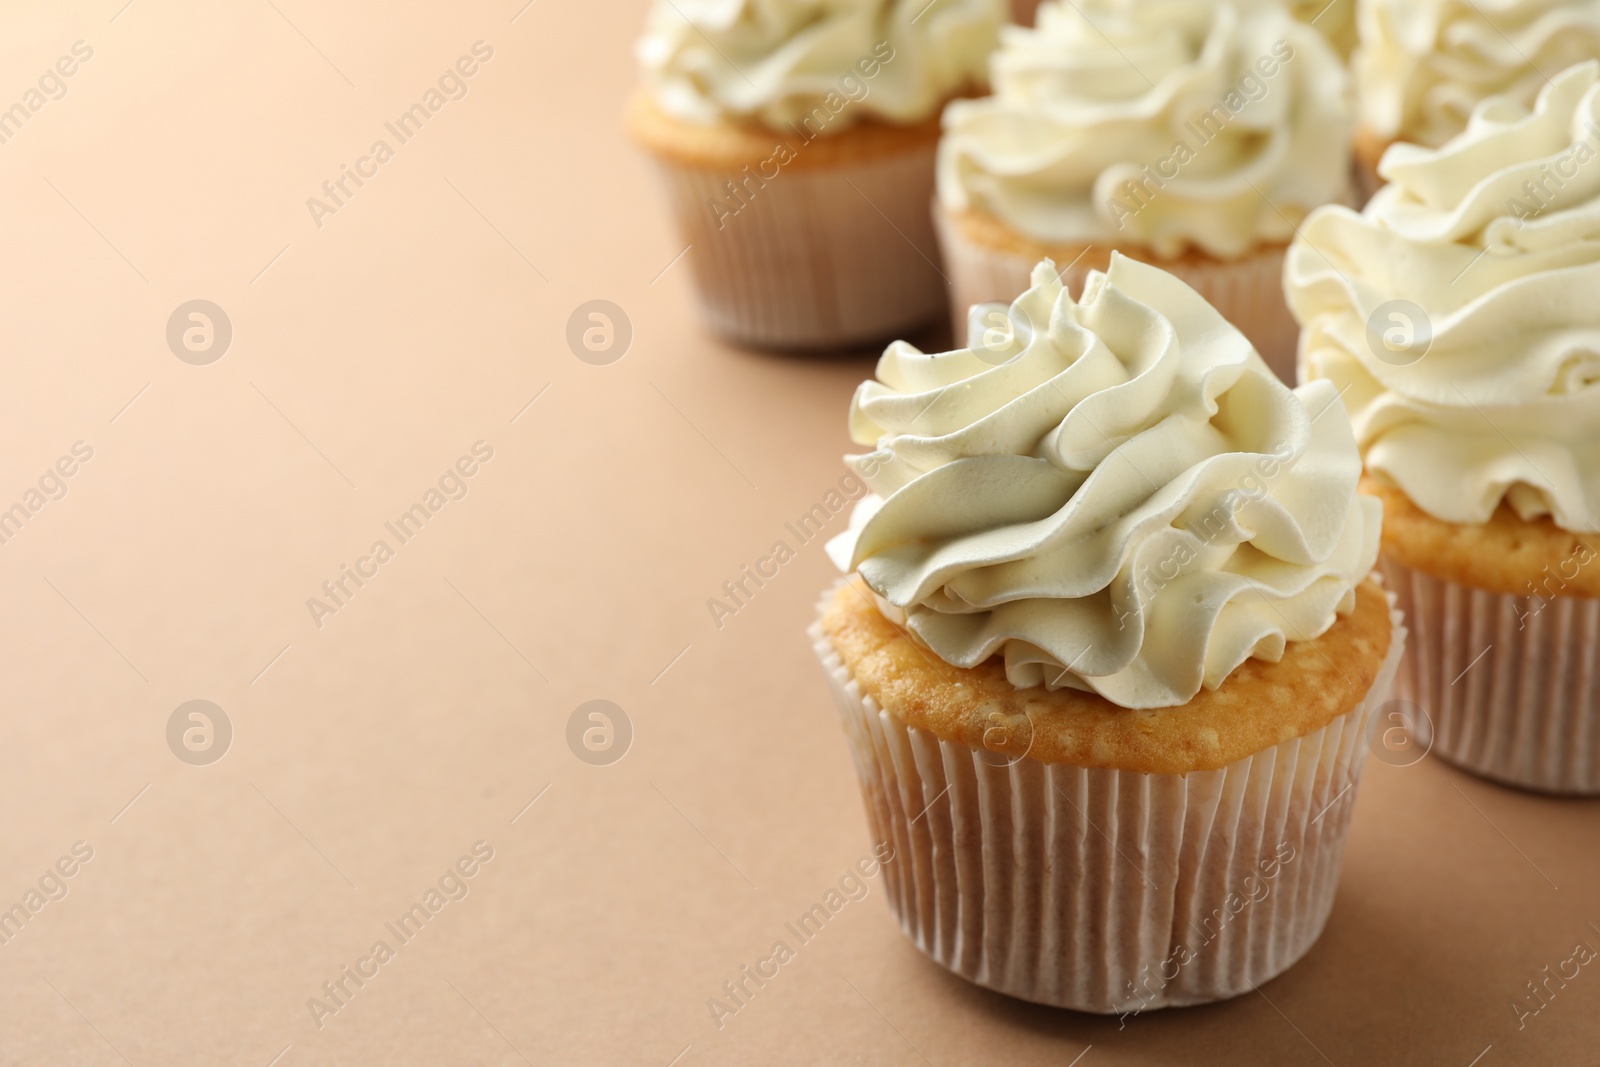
(1166, 124)
(1459, 312)
(1115, 494)
(1423, 65)
(820, 64)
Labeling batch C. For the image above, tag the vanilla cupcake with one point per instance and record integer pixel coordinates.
(1423, 65)
(1458, 317)
(1190, 134)
(796, 140)
(1111, 656)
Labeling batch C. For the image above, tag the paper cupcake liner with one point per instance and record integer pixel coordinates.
(1103, 890)
(1511, 684)
(1248, 292)
(816, 257)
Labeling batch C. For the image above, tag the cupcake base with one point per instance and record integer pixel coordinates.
(803, 243)
(985, 262)
(1510, 683)
(1104, 890)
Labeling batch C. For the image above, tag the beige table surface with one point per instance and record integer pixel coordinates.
(370, 753)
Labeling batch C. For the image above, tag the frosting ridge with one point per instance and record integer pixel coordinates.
(1457, 311)
(780, 61)
(1168, 124)
(1116, 494)
(1423, 65)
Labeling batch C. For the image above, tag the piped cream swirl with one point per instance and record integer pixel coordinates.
(1115, 494)
(1423, 65)
(779, 61)
(1166, 124)
(1492, 392)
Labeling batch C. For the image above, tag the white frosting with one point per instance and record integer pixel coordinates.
(1497, 236)
(1423, 65)
(1115, 494)
(779, 61)
(1163, 124)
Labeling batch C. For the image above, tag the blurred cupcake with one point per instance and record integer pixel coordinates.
(1423, 65)
(1190, 134)
(796, 140)
(1109, 664)
(1334, 19)
(1457, 316)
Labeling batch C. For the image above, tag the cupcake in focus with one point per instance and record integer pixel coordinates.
(1191, 134)
(1110, 656)
(1457, 315)
(796, 140)
(1423, 65)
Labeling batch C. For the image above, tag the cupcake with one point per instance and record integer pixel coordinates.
(1457, 316)
(1190, 134)
(796, 140)
(1110, 656)
(1423, 65)
(1334, 19)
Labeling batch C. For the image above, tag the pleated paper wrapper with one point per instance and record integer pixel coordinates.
(1510, 684)
(1102, 890)
(817, 257)
(1247, 291)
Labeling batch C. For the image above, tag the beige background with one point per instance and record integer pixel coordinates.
(425, 715)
